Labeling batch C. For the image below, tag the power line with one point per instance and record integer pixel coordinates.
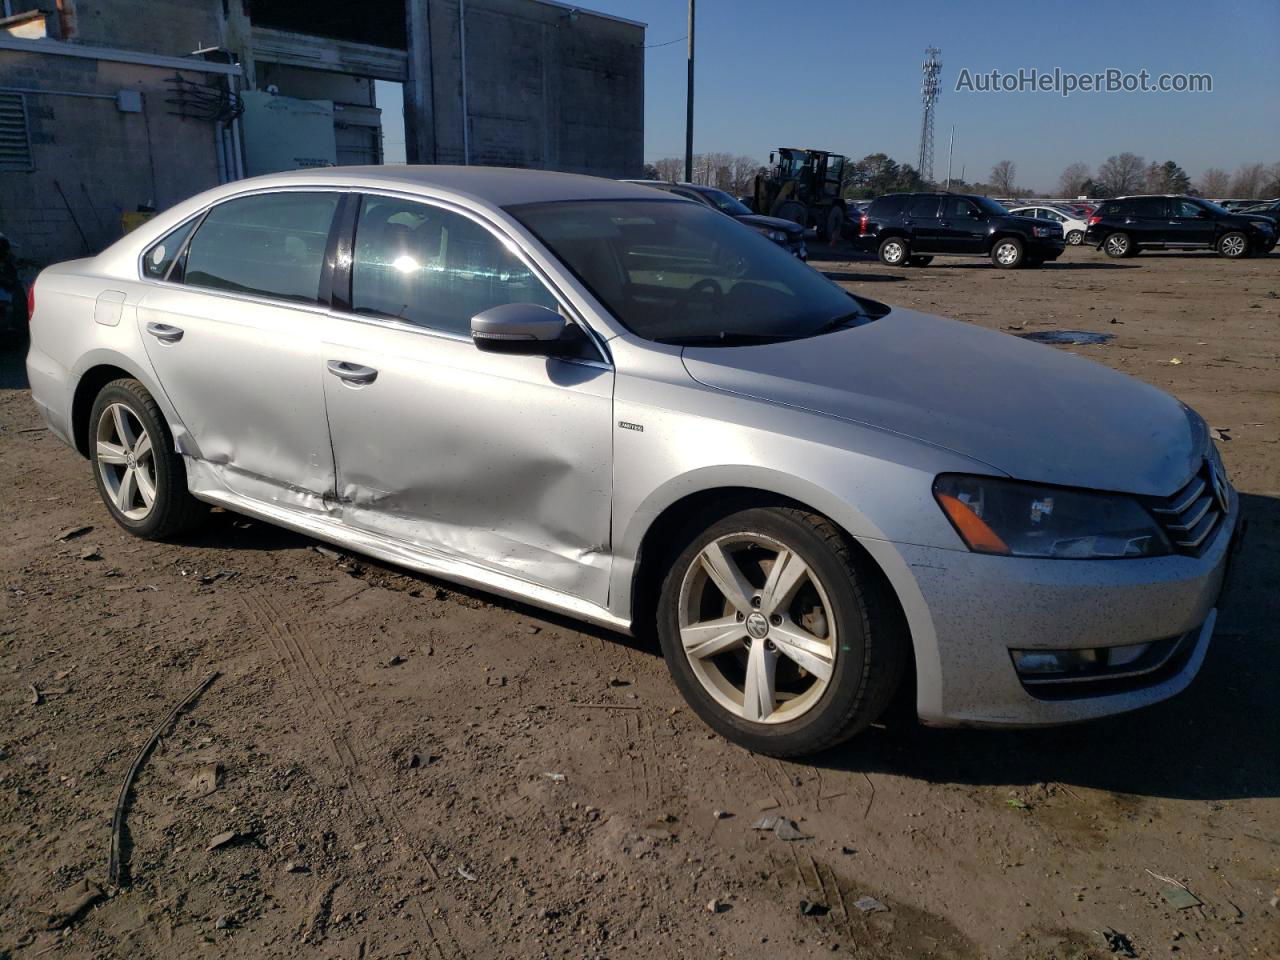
(652, 46)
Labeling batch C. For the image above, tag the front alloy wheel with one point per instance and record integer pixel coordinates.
(1233, 245)
(1007, 253)
(780, 637)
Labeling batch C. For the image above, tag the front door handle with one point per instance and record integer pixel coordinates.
(164, 332)
(352, 373)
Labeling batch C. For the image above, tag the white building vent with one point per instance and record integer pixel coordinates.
(15, 143)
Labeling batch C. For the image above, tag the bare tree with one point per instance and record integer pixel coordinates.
(1271, 188)
(1002, 178)
(744, 174)
(669, 168)
(1214, 182)
(1248, 181)
(1122, 173)
(1073, 179)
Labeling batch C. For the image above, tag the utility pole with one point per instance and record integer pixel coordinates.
(950, 150)
(688, 110)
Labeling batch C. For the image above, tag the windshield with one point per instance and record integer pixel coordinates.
(725, 203)
(675, 272)
(990, 206)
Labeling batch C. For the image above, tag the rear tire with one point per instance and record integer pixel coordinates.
(794, 211)
(139, 476)
(1007, 253)
(894, 252)
(1233, 245)
(744, 673)
(1075, 237)
(831, 225)
(1118, 246)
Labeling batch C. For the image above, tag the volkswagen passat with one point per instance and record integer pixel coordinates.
(626, 408)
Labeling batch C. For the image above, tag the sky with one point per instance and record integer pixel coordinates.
(844, 75)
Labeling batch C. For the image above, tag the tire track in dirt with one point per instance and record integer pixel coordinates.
(301, 666)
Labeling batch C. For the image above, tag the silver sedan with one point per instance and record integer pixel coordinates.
(629, 409)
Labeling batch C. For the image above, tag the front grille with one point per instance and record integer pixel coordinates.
(1192, 515)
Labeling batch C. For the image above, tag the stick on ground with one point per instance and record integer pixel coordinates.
(117, 867)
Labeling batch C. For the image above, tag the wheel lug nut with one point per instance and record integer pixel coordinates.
(776, 620)
(755, 601)
(740, 617)
(768, 645)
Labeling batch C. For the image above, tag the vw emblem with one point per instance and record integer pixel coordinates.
(758, 626)
(1221, 489)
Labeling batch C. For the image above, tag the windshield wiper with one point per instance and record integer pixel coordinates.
(837, 323)
(722, 339)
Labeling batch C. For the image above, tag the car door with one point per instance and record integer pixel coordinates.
(1189, 223)
(921, 218)
(232, 332)
(1147, 218)
(962, 227)
(496, 459)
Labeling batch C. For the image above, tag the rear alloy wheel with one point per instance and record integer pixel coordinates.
(779, 638)
(1118, 245)
(1233, 245)
(894, 252)
(1075, 237)
(1007, 253)
(139, 476)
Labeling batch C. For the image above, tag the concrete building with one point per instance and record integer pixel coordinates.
(108, 107)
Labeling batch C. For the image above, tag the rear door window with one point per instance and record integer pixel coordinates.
(887, 207)
(958, 208)
(271, 245)
(923, 208)
(434, 268)
(1148, 208)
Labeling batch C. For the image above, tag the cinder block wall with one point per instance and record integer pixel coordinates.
(106, 162)
(545, 89)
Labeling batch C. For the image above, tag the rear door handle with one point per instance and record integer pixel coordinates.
(352, 372)
(164, 332)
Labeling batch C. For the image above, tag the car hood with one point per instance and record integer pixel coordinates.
(1031, 411)
(1269, 219)
(770, 223)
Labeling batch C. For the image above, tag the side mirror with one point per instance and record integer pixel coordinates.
(524, 328)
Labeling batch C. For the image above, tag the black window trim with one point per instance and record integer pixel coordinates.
(341, 280)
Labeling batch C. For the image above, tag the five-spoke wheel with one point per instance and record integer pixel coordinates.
(778, 632)
(125, 455)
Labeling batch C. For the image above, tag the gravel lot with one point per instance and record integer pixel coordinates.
(415, 770)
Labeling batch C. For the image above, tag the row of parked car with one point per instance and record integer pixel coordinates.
(910, 229)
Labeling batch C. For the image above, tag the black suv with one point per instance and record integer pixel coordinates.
(906, 229)
(1125, 225)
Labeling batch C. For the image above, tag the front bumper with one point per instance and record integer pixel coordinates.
(1045, 248)
(967, 612)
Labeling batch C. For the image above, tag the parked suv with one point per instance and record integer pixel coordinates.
(1124, 226)
(907, 229)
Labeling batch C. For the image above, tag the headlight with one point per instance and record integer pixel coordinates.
(1024, 520)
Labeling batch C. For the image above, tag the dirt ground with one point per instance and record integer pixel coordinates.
(415, 770)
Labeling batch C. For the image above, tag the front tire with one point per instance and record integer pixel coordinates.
(140, 478)
(1233, 245)
(1007, 253)
(894, 252)
(781, 638)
